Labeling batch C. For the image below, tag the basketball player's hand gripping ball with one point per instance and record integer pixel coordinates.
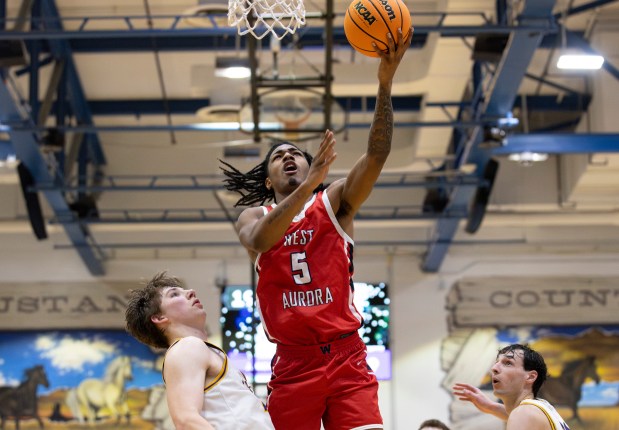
(368, 21)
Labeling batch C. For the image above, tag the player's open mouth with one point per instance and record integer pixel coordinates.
(290, 167)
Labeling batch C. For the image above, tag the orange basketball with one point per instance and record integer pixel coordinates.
(368, 21)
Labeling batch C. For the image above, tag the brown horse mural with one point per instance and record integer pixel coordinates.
(21, 401)
(566, 389)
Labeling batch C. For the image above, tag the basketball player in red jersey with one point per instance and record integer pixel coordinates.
(302, 246)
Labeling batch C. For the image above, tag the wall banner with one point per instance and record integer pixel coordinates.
(25, 306)
(475, 302)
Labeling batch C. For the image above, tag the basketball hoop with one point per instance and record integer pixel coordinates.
(291, 115)
(222, 114)
(293, 124)
(261, 17)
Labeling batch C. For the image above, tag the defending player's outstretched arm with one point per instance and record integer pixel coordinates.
(469, 393)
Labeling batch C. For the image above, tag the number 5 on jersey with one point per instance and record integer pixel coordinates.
(300, 268)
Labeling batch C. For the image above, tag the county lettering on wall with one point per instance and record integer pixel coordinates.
(25, 306)
(545, 300)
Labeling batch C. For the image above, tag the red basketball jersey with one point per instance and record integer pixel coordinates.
(305, 290)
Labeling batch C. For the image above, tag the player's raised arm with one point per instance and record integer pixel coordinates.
(362, 177)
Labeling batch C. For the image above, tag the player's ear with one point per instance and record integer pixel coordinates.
(158, 319)
(268, 184)
(532, 376)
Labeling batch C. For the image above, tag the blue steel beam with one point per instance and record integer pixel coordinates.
(202, 127)
(224, 40)
(311, 39)
(34, 48)
(6, 150)
(61, 50)
(498, 102)
(165, 29)
(172, 38)
(190, 106)
(444, 30)
(213, 182)
(535, 103)
(572, 102)
(170, 22)
(26, 149)
(583, 8)
(557, 143)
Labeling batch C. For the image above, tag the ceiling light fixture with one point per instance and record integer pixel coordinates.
(232, 67)
(580, 62)
(576, 60)
(527, 158)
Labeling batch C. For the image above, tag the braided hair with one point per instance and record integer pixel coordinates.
(251, 185)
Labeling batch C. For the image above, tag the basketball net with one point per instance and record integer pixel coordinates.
(261, 17)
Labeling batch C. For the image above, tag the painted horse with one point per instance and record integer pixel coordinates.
(92, 394)
(22, 401)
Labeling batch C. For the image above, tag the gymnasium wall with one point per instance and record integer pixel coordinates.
(420, 320)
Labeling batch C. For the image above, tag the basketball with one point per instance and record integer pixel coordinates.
(368, 21)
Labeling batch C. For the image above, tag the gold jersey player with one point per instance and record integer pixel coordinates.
(203, 390)
(302, 248)
(517, 376)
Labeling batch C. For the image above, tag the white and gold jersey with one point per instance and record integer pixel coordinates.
(556, 422)
(229, 401)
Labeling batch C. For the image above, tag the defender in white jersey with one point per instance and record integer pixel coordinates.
(517, 376)
(556, 421)
(202, 389)
(229, 402)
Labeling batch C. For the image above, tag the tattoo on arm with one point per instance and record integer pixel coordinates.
(278, 213)
(382, 126)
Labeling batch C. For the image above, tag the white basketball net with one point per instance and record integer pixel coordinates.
(261, 17)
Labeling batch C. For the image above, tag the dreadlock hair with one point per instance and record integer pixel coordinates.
(251, 185)
(143, 304)
(532, 360)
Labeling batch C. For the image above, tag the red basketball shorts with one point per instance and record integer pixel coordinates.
(330, 382)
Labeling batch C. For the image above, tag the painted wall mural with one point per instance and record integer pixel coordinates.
(581, 348)
(80, 379)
